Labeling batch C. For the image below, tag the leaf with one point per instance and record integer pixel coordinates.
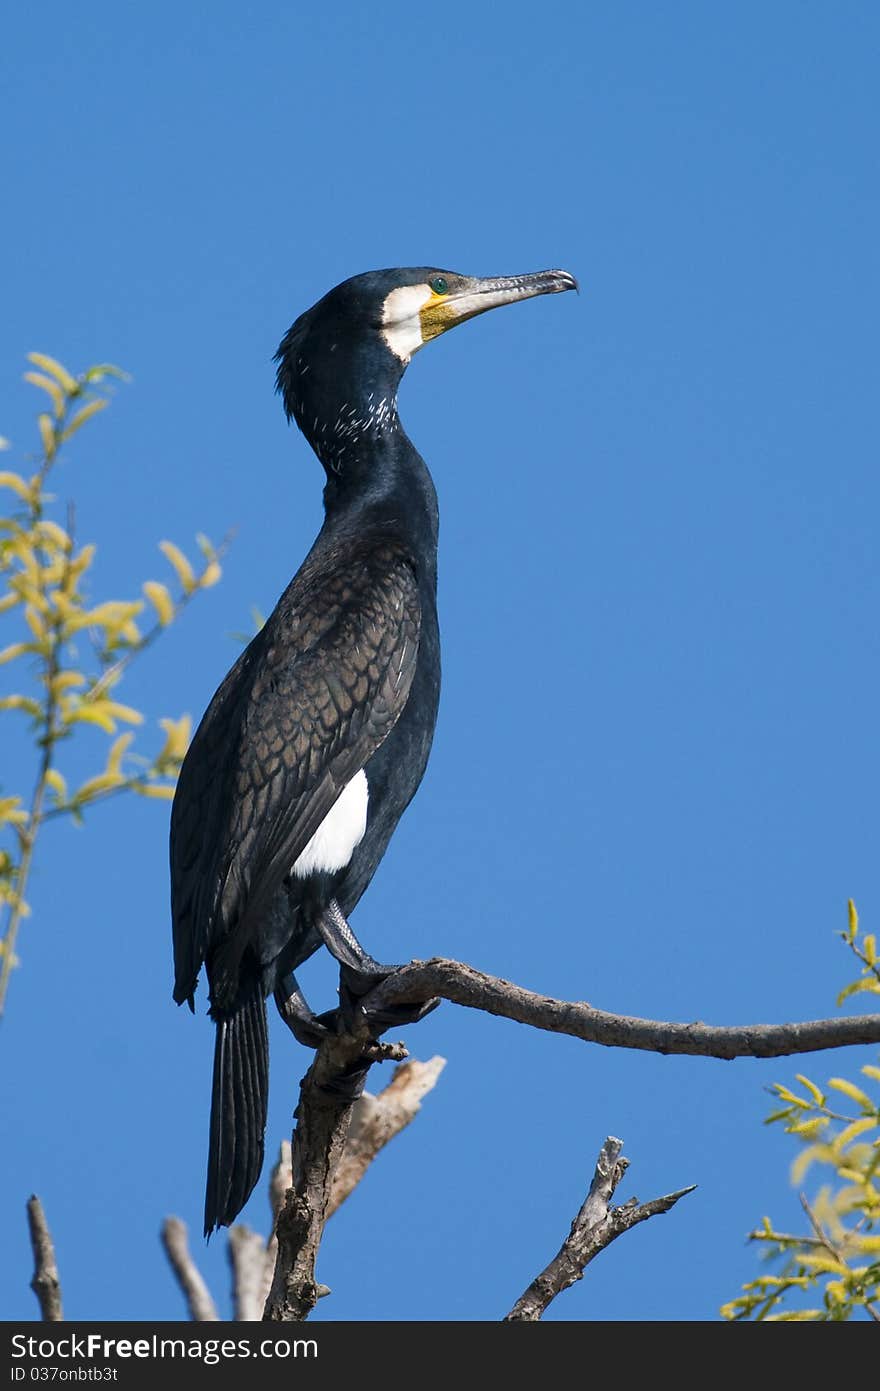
(153, 789)
(809, 1128)
(113, 614)
(798, 1316)
(49, 385)
(55, 369)
(871, 1071)
(785, 1095)
(106, 369)
(94, 787)
(82, 416)
(54, 534)
(161, 600)
(826, 1264)
(114, 758)
(177, 740)
(35, 622)
(57, 783)
(15, 649)
(805, 1159)
(88, 714)
(66, 681)
(20, 702)
(81, 562)
(840, 1084)
(858, 987)
(778, 1116)
(11, 812)
(180, 564)
(853, 920)
(18, 484)
(811, 1088)
(47, 434)
(854, 1129)
(210, 575)
(869, 947)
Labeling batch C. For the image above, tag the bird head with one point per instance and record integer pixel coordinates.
(393, 313)
(354, 345)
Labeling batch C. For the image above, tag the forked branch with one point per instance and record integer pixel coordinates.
(595, 1227)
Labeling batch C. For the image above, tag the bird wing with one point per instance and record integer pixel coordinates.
(301, 712)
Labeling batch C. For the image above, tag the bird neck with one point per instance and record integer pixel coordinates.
(382, 481)
(344, 399)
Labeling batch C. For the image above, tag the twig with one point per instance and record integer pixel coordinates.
(280, 1181)
(832, 1248)
(45, 1283)
(28, 836)
(595, 1227)
(453, 980)
(202, 1308)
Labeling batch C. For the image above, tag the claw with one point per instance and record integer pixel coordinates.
(354, 985)
(307, 1028)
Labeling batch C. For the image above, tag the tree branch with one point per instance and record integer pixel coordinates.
(595, 1227)
(453, 980)
(328, 1094)
(377, 1119)
(202, 1308)
(325, 1110)
(45, 1283)
(248, 1257)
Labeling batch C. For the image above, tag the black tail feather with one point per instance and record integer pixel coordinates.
(238, 1110)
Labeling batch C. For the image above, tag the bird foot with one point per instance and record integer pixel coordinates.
(355, 983)
(307, 1028)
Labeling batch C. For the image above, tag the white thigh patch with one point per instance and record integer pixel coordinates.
(334, 842)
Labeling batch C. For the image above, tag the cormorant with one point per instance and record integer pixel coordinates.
(317, 739)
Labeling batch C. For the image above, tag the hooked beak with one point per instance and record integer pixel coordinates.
(475, 296)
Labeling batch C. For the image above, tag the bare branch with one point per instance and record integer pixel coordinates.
(377, 1119)
(327, 1098)
(45, 1283)
(595, 1227)
(374, 1121)
(202, 1308)
(280, 1181)
(248, 1258)
(453, 980)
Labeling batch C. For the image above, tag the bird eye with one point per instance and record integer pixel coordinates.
(439, 285)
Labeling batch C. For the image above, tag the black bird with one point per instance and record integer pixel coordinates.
(317, 739)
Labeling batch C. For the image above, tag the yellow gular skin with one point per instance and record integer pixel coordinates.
(437, 316)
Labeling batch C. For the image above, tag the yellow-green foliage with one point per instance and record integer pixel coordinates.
(68, 653)
(838, 1129)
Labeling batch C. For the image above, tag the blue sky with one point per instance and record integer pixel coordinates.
(654, 779)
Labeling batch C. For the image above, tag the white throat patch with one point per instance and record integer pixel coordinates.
(401, 312)
(341, 831)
